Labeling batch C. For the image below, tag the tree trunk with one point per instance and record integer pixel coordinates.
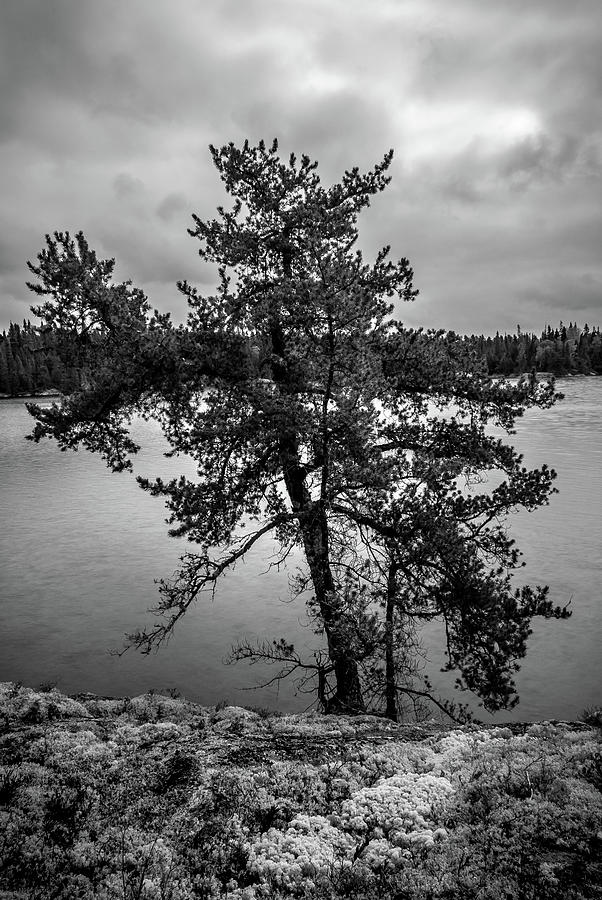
(347, 697)
(390, 680)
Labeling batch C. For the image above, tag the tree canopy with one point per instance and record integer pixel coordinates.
(314, 416)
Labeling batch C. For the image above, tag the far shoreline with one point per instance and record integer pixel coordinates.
(540, 375)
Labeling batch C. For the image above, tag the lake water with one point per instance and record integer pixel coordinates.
(80, 549)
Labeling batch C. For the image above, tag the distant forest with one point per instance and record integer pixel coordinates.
(566, 350)
(31, 360)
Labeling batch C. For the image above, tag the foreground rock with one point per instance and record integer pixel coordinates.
(154, 797)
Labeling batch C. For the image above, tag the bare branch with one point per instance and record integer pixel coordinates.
(199, 573)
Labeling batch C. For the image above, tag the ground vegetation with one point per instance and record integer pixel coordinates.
(155, 798)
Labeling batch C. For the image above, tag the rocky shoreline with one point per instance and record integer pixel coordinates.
(157, 797)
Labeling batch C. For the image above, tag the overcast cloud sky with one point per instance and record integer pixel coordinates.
(494, 110)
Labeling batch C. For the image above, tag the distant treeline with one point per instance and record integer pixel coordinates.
(32, 360)
(566, 350)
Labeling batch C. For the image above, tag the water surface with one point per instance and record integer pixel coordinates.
(80, 548)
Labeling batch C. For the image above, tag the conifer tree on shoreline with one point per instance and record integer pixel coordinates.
(318, 419)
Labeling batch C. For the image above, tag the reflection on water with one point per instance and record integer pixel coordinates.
(80, 548)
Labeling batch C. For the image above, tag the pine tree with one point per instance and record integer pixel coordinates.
(314, 417)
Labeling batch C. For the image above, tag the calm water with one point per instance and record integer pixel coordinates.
(80, 549)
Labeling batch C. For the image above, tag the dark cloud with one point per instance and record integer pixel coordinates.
(494, 110)
(171, 206)
(535, 158)
(126, 185)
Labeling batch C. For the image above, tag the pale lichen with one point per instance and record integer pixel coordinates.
(155, 797)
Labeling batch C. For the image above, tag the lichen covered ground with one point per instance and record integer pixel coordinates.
(154, 797)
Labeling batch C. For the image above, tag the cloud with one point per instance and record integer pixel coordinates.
(494, 111)
(126, 185)
(171, 205)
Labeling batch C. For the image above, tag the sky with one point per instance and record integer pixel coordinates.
(493, 109)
